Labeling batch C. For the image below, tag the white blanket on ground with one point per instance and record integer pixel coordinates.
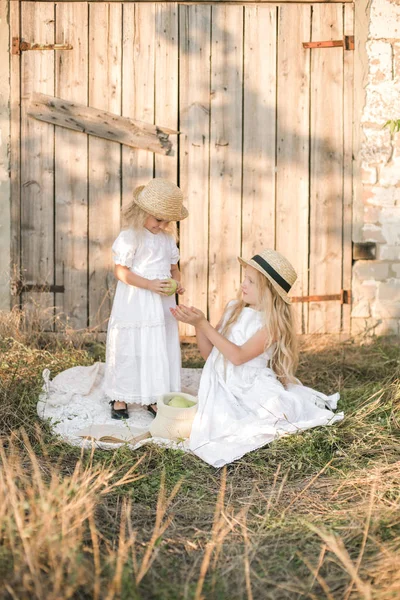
(74, 401)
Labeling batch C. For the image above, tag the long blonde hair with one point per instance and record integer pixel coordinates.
(278, 320)
(135, 217)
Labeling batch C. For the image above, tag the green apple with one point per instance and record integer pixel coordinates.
(180, 402)
(172, 287)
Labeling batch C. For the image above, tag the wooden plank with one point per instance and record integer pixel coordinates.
(348, 104)
(326, 177)
(71, 201)
(15, 158)
(259, 129)
(292, 183)
(194, 106)
(37, 164)
(216, 2)
(103, 124)
(225, 157)
(5, 184)
(105, 38)
(166, 77)
(137, 90)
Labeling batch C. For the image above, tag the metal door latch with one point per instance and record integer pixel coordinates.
(18, 46)
(347, 43)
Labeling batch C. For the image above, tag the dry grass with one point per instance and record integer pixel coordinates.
(313, 516)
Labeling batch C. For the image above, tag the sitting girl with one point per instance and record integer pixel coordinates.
(248, 393)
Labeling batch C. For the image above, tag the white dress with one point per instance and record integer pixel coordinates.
(143, 357)
(241, 408)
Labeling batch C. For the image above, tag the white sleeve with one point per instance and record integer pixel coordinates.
(174, 251)
(124, 248)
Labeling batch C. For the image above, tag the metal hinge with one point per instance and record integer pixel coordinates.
(347, 43)
(17, 287)
(18, 46)
(344, 297)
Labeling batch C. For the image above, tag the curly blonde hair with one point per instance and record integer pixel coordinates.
(135, 217)
(278, 320)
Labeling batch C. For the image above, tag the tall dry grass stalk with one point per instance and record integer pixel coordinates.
(47, 521)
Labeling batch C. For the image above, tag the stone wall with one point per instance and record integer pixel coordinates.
(376, 283)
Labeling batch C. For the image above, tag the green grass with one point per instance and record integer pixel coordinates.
(314, 515)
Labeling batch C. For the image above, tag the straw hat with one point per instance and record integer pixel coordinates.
(162, 199)
(276, 268)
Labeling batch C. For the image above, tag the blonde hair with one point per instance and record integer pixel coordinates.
(135, 217)
(278, 320)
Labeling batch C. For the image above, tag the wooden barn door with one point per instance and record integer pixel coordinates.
(263, 155)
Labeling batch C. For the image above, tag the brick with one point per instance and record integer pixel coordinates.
(369, 175)
(372, 214)
(388, 327)
(384, 19)
(396, 61)
(380, 55)
(389, 174)
(387, 252)
(361, 308)
(367, 270)
(394, 270)
(389, 291)
(382, 103)
(377, 146)
(363, 326)
(391, 233)
(385, 310)
(390, 215)
(373, 233)
(382, 196)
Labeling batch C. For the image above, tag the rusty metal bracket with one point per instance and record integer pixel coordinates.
(344, 297)
(18, 46)
(18, 287)
(347, 43)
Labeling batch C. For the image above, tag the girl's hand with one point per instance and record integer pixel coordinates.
(158, 286)
(180, 290)
(192, 316)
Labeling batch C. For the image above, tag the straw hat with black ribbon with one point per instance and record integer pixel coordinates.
(276, 268)
(162, 199)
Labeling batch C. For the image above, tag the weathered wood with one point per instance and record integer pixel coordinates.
(137, 90)
(326, 177)
(103, 124)
(214, 2)
(259, 143)
(37, 165)
(293, 147)
(225, 157)
(15, 157)
(194, 103)
(104, 158)
(166, 77)
(348, 104)
(71, 196)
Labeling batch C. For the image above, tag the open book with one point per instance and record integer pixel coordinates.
(114, 434)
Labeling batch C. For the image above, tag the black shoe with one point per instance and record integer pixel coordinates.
(120, 413)
(151, 410)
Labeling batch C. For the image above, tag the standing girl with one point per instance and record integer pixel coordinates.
(143, 358)
(248, 392)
